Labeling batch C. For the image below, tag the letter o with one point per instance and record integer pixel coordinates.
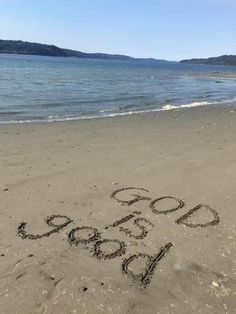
(164, 212)
(101, 255)
(77, 240)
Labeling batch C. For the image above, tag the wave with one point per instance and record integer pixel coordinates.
(118, 109)
(198, 103)
(10, 113)
(107, 113)
(193, 104)
(108, 110)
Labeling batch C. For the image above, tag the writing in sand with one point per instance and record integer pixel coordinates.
(93, 239)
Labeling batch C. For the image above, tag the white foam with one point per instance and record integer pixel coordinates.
(108, 110)
(58, 118)
(193, 104)
(197, 104)
(169, 107)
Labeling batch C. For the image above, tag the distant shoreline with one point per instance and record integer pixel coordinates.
(38, 49)
(229, 60)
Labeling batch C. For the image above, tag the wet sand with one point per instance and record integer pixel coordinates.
(215, 74)
(74, 239)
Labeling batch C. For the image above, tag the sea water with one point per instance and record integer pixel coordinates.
(46, 89)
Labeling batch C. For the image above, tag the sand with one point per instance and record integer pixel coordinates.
(215, 74)
(69, 243)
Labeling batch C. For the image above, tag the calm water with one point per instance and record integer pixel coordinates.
(34, 88)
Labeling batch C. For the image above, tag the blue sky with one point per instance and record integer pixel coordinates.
(165, 29)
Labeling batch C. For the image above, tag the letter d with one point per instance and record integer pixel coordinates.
(144, 278)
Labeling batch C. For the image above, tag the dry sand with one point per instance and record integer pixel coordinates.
(145, 263)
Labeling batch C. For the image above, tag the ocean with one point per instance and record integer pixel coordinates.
(47, 89)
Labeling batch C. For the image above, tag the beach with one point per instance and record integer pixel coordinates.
(132, 214)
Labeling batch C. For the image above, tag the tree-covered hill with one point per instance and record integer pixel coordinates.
(222, 60)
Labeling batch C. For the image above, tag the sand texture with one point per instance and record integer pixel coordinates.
(123, 215)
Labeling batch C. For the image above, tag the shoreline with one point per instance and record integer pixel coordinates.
(216, 74)
(169, 108)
